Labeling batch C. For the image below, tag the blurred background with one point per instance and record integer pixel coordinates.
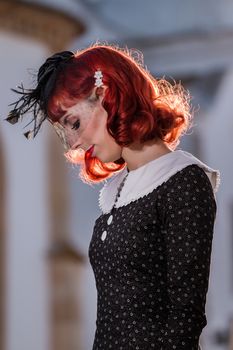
(47, 287)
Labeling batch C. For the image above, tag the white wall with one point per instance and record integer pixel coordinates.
(216, 138)
(156, 18)
(27, 225)
(83, 215)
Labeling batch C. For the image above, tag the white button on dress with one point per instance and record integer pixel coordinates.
(104, 234)
(110, 219)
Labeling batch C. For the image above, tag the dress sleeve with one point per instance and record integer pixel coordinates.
(188, 214)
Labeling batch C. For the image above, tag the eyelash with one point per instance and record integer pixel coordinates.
(75, 125)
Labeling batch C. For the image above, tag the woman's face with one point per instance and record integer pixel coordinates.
(84, 125)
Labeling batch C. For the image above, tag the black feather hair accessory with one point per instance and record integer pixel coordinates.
(35, 100)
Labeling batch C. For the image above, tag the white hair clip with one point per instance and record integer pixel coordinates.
(98, 78)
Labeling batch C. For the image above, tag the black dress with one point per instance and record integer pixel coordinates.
(152, 270)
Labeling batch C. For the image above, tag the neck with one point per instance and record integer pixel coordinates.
(138, 155)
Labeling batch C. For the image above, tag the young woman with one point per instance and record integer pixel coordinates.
(151, 245)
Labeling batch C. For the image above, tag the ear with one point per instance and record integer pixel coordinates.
(98, 93)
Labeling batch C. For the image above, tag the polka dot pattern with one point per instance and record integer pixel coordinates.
(152, 269)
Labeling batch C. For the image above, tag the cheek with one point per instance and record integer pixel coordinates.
(89, 129)
(111, 147)
(98, 125)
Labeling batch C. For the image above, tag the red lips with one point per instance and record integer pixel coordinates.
(90, 150)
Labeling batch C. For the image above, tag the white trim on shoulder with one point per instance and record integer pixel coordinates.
(146, 178)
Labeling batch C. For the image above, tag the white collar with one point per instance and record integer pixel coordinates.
(146, 178)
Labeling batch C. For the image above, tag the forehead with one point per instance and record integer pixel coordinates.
(79, 109)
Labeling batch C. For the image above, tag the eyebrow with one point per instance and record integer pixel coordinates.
(65, 121)
(66, 118)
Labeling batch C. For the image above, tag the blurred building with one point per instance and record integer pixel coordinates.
(48, 289)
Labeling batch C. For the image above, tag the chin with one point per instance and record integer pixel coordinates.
(108, 153)
(108, 158)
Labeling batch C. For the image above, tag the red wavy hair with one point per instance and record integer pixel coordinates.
(139, 107)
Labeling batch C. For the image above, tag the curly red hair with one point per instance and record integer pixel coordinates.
(140, 107)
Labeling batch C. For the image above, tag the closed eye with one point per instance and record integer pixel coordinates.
(76, 125)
